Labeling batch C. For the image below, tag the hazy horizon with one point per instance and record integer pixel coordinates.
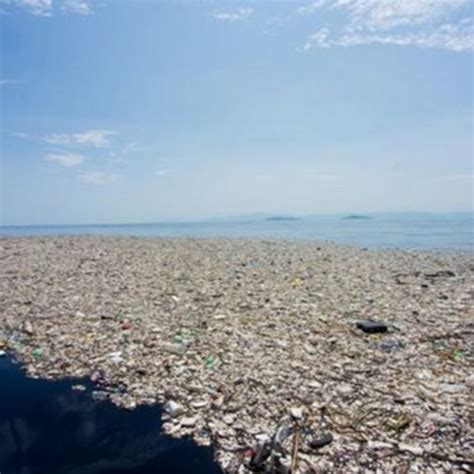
(256, 217)
(144, 112)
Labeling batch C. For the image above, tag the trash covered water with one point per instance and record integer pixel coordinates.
(234, 336)
(57, 428)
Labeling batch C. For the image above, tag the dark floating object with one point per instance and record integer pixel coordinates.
(46, 427)
(322, 441)
(441, 274)
(371, 326)
(257, 463)
(266, 457)
(356, 217)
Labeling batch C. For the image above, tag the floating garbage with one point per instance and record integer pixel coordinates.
(37, 352)
(241, 334)
(372, 327)
(323, 440)
(177, 349)
(269, 456)
(281, 451)
(126, 325)
(391, 345)
(172, 408)
(210, 361)
(441, 274)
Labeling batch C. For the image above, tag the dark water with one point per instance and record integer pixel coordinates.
(48, 428)
(413, 231)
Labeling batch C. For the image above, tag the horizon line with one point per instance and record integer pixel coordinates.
(243, 218)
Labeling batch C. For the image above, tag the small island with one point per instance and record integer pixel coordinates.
(356, 217)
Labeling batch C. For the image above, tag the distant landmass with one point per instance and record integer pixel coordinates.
(356, 216)
(281, 218)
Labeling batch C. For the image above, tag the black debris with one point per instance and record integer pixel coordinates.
(371, 327)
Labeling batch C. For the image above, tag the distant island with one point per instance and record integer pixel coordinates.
(281, 218)
(356, 216)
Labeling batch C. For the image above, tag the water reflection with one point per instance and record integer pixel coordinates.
(45, 427)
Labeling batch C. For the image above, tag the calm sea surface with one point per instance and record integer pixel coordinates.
(417, 231)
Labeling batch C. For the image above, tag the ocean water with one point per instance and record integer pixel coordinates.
(408, 231)
(46, 427)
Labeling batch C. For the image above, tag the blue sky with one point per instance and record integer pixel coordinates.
(141, 111)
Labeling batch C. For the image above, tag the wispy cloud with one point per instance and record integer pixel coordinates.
(453, 37)
(134, 147)
(320, 39)
(422, 23)
(23, 135)
(162, 172)
(97, 177)
(311, 8)
(35, 7)
(96, 138)
(11, 82)
(78, 7)
(65, 159)
(234, 14)
(47, 8)
(382, 14)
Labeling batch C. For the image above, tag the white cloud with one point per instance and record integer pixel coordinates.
(453, 37)
(236, 14)
(35, 7)
(422, 23)
(311, 7)
(319, 39)
(65, 159)
(78, 7)
(97, 177)
(96, 138)
(382, 15)
(48, 7)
